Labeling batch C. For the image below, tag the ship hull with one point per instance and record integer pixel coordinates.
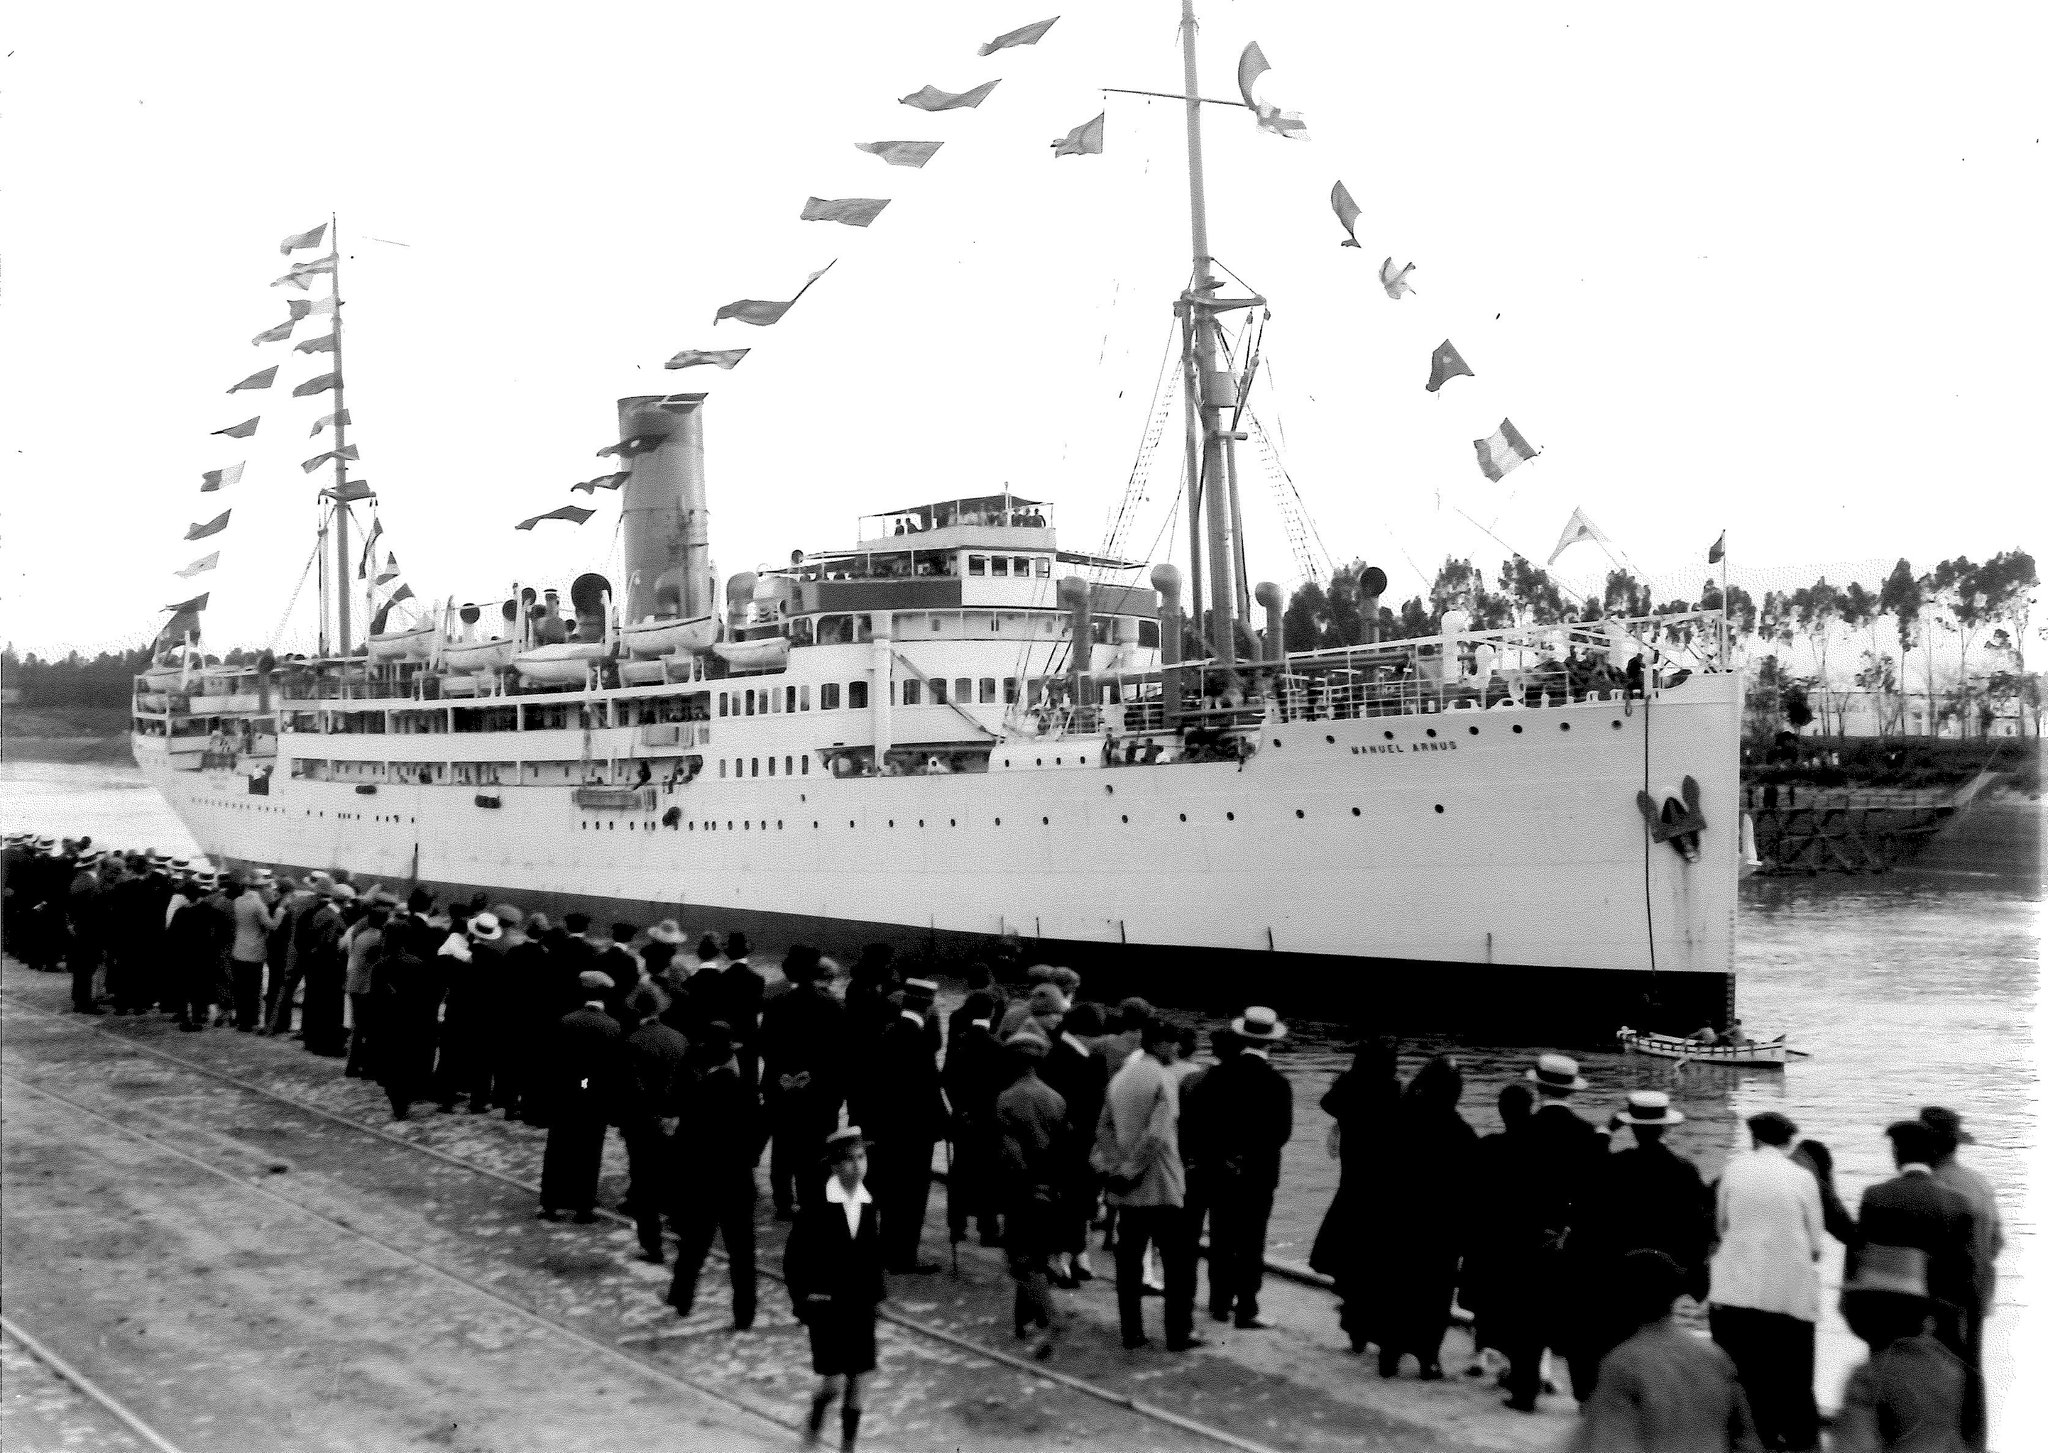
(1432, 871)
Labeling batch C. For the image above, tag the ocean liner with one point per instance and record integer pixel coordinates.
(959, 732)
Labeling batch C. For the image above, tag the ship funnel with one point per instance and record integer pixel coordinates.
(1074, 600)
(739, 594)
(1268, 595)
(666, 525)
(588, 594)
(1372, 584)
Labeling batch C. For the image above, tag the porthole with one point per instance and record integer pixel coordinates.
(1299, 813)
(1564, 726)
(1126, 817)
(1429, 731)
(1388, 735)
(1354, 812)
(1473, 730)
(1617, 726)
(1439, 807)
(892, 822)
(1518, 728)
(1041, 761)
(999, 822)
(1059, 761)
(1183, 817)
(1045, 822)
(849, 822)
(1331, 740)
(1230, 817)
(920, 822)
(1276, 741)
(952, 822)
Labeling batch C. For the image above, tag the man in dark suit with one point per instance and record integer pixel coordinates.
(1081, 1079)
(716, 1146)
(653, 1085)
(587, 1070)
(1914, 1209)
(732, 994)
(899, 1101)
(1247, 1114)
(974, 1075)
(834, 1269)
(803, 1048)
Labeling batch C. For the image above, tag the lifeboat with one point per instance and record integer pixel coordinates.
(567, 664)
(764, 653)
(654, 638)
(478, 655)
(416, 644)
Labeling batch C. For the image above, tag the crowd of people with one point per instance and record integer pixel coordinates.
(1069, 1125)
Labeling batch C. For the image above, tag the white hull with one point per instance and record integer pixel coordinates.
(1752, 1054)
(1361, 838)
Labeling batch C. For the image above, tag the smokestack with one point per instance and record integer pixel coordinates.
(587, 594)
(666, 524)
(1166, 580)
(1267, 594)
(1372, 584)
(1073, 594)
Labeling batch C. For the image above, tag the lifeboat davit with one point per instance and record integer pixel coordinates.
(416, 644)
(567, 664)
(653, 638)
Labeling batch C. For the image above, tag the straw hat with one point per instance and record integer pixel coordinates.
(485, 928)
(1556, 1072)
(1258, 1025)
(1649, 1107)
(590, 981)
(667, 931)
(844, 1142)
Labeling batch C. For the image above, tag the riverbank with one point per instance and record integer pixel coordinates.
(78, 735)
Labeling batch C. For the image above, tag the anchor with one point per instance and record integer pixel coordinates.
(1678, 825)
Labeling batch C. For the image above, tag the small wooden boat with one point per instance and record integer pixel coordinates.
(416, 644)
(764, 653)
(1766, 1054)
(652, 638)
(478, 655)
(567, 664)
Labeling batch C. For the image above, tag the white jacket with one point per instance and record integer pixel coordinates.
(1768, 1215)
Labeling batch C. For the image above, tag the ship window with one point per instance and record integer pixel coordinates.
(803, 697)
(807, 770)
(750, 703)
(913, 692)
(721, 766)
(1044, 567)
(790, 703)
(756, 767)
(1020, 565)
(986, 691)
(722, 704)
(963, 689)
(856, 695)
(788, 766)
(977, 564)
(1009, 691)
(771, 766)
(938, 685)
(828, 696)
(999, 565)
(1148, 635)
(935, 621)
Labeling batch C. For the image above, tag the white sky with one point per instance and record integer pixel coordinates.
(1774, 269)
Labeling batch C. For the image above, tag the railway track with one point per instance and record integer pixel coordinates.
(107, 1403)
(638, 1351)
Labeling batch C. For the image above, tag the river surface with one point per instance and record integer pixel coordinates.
(1910, 989)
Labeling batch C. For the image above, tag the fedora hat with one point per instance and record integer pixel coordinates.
(1649, 1107)
(590, 981)
(341, 892)
(1946, 1124)
(844, 1142)
(1259, 1025)
(1047, 999)
(507, 914)
(485, 928)
(667, 931)
(1556, 1072)
(1900, 1270)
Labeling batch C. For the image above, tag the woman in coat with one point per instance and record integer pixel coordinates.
(1432, 1154)
(1348, 1247)
(833, 1265)
(405, 994)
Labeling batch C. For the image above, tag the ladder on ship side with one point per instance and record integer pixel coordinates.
(1137, 489)
(1304, 543)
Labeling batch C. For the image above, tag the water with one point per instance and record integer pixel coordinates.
(1911, 989)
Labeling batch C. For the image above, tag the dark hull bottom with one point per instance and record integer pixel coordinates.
(1515, 1004)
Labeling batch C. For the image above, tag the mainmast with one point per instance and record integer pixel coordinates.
(1211, 391)
(341, 575)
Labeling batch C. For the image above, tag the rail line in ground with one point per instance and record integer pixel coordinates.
(1137, 1406)
(99, 1395)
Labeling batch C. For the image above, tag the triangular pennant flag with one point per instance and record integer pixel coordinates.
(1503, 450)
(184, 625)
(303, 308)
(1250, 66)
(212, 527)
(274, 335)
(404, 592)
(718, 357)
(901, 153)
(1083, 140)
(1395, 281)
(260, 379)
(603, 481)
(370, 548)
(345, 452)
(195, 604)
(575, 514)
(297, 240)
(1718, 549)
(1341, 204)
(339, 416)
(242, 430)
(215, 479)
(318, 385)
(931, 98)
(390, 571)
(1577, 528)
(1030, 34)
(315, 345)
(761, 314)
(200, 566)
(1445, 365)
(302, 273)
(853, 211)
(349, 491)
(634, 447)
